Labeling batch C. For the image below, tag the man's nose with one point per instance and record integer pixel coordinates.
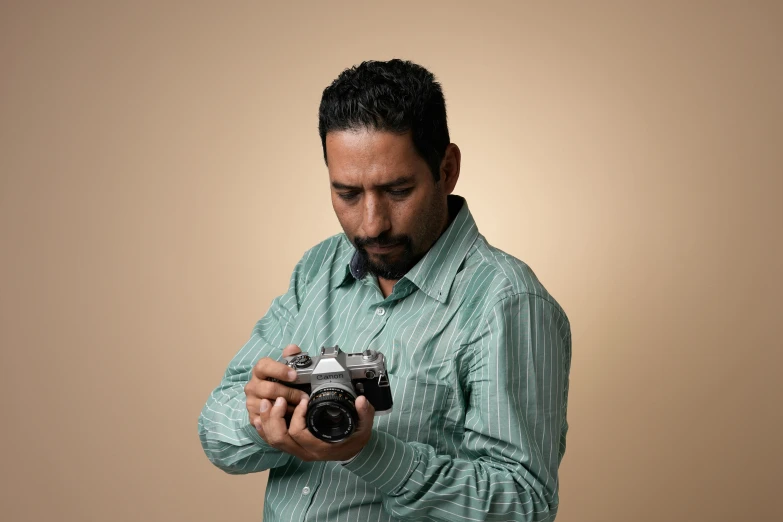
(376, 218)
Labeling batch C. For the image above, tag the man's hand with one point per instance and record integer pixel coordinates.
(259, 388)
(299, 442)
(270, 405)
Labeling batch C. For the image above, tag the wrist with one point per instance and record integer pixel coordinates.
(344, 462)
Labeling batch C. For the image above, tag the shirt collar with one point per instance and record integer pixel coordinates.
(435, 272)
(343, 273)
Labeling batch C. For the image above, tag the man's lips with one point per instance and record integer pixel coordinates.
(375, 249)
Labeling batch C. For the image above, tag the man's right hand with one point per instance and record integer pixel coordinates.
(260, 388)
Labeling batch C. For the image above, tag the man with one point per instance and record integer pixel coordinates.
(478, 352)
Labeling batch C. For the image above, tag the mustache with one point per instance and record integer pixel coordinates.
(381, 241)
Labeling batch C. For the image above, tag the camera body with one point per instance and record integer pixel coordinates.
(333, 380)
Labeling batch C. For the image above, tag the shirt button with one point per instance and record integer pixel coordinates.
(380, 310)
(305, 491)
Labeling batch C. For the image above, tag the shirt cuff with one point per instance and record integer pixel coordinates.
(385, 462)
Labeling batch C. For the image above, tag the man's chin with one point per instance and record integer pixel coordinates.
(391, 265)
(383, 268)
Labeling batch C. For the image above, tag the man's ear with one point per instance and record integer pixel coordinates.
(449, 168)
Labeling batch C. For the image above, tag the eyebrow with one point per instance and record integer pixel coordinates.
(404, 180)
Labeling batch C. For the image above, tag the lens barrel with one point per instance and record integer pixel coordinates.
(331, 414)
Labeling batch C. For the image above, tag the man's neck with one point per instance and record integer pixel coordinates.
(386, 286)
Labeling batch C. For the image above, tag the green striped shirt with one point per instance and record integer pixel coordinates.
(478, 355)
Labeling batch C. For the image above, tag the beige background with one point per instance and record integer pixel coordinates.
(162, 174)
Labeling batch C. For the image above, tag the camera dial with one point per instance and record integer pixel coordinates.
(300, 361)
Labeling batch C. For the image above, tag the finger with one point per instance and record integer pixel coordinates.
(253, 409)
(276, 431)
(259, 426)
(255, 416)
(258, 369)
(302, 436)
(252, 404)
(366, 413)
(269, 421)
(298, 422)
(290, 350)
(273, 390)
(278, 408)
(266, 368)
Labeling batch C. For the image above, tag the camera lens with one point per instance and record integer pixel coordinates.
(334, 415)
(331, 415)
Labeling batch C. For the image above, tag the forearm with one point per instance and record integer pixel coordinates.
(227, 436)
(419, 484)
(229, 440)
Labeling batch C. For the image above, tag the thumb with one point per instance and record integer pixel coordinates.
(291, 349)
(366, 413)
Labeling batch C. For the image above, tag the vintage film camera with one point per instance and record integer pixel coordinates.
(333, 380)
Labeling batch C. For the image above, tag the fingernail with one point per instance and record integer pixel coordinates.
(303, 399)
(257, 424)
(292, 374)
(264, 405)
(280, 401)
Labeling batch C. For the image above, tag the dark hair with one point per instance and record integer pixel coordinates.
(396, 96)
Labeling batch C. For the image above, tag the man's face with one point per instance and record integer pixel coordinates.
(385, 198)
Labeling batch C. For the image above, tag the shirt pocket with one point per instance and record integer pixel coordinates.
(424, 411)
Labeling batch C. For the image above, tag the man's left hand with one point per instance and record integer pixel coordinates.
(297, 439)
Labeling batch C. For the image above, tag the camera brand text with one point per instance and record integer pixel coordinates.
(329, 376)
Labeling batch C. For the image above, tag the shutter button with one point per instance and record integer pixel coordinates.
(305, 491)
(380, 310)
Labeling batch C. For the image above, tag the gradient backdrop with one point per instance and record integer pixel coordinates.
(151, 152)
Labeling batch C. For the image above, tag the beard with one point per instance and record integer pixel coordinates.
(391, 266)
(430, 224)
(394, 265)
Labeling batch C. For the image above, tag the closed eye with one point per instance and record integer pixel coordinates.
(399, 193)
(347, 196)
